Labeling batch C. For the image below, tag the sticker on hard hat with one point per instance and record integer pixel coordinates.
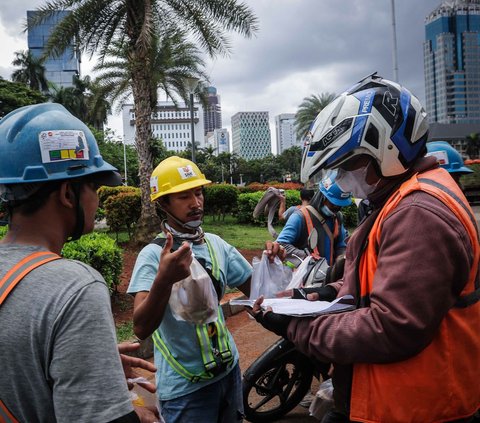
(153, 185)
(441, 156)
(186, 172)
(63, 145)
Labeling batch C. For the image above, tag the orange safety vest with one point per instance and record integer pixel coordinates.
(442, 382)
(7, 283)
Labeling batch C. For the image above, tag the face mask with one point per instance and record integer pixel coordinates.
(355, 182)
(326, 211)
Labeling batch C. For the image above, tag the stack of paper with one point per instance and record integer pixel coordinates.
(302, 308)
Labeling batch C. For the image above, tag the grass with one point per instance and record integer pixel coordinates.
(246, 237)
(240, 236)
(125, 331)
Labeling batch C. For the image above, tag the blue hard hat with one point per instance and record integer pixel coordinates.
(332, 192)
(448, 158)
(45, 142)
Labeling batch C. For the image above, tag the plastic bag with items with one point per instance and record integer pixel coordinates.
(194, 298)
(268, 278)
(310, 272)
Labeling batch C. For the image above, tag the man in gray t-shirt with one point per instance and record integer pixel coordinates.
(60, 361)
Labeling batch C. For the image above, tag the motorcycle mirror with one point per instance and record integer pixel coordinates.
(312, 239)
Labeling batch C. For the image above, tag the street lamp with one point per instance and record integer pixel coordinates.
(190, 84)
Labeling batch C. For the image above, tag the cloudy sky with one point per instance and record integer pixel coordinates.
(303, 47)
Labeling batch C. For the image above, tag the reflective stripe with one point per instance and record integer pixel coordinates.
(5, 415)
(21, 269)
(212, 358)
(308, 221)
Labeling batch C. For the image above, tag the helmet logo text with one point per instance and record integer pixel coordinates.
(186, 172)
(390, 103)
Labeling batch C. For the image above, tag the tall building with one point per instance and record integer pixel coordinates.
(169, 123)
(452, 62)
(59, 70)
(219, 140)
(285, 132)
(212, 118)
(251, 137)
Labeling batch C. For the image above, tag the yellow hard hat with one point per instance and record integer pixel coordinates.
(175, 174)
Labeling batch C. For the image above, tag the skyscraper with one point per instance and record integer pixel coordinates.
(251, 135)
(452, 62)
(59, 70)
(285, 131)
(212, 118)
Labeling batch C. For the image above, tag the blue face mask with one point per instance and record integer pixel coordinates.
(326, 211)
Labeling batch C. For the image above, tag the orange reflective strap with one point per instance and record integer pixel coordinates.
(5, 415)
(308, 221)
(21, 269)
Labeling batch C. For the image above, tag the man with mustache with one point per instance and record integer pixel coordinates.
(198, 378)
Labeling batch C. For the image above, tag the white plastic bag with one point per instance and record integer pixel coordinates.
(268, 278)
(194, 299)
(299, 274)
(323, 400)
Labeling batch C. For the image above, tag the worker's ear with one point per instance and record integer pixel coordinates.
(67, 195)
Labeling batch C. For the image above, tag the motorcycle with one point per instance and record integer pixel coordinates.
(280, 378)
(277, 381)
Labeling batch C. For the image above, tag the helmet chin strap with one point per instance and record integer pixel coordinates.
(194, 225)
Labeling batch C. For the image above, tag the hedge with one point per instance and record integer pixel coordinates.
(123, 211)
(220, 199)
(96, 249)
(99, 251)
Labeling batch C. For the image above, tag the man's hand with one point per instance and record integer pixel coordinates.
(147, 414)
(130, 363)
(321, 293)
(277, 323)
(174, 266)
(273, 249)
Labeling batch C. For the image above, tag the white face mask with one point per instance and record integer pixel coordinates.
(355, 182)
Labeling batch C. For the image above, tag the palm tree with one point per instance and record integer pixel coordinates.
(308, 111)
(95, 24)
(31, 72)
(173, 58)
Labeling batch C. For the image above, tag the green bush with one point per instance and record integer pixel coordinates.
(105, 192)
(99, 251)
(3, 231)
(123, 211)
(246, 204)
(350, 216)
(220, 199)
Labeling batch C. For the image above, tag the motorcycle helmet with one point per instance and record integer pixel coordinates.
(332, 192)
(448, 158)
(376, 117)
(173, 175)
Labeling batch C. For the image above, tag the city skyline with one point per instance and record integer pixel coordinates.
(303, 47)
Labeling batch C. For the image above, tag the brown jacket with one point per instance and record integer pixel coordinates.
(423, 263)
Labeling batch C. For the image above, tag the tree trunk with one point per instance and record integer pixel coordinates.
(149, 223)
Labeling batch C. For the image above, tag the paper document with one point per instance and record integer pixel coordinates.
(299, 308)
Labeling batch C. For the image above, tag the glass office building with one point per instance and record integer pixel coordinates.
(452, 62)
(251, 138)
(59, 70)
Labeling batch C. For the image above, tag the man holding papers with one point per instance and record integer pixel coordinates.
(409, 351)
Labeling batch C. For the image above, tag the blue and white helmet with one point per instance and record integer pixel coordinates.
(375, 117)
(330, 189)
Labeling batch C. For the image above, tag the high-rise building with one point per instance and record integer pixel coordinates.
(285, 131)
(452, 62)
(169, 123)
(212, 117)
(219, 140)
(251, 137)
(59, 70)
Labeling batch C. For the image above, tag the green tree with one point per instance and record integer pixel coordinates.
(16, 94)
(31, 72)
(473, 145)
(136, 24)
(173, 58)
(308, 111)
